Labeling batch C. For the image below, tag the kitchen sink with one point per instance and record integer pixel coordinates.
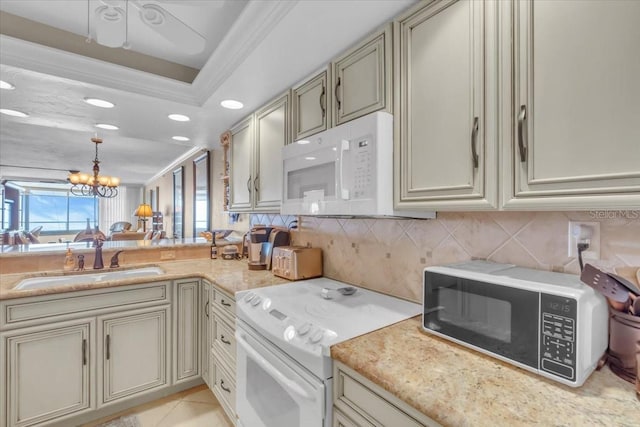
(101, 276)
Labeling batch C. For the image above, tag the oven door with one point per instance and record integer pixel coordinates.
(273, 390)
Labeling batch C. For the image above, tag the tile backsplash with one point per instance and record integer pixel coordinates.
(388, 255)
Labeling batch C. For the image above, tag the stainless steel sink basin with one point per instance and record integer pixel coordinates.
(104, 275)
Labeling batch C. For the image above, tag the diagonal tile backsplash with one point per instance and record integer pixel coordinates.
(389, 255)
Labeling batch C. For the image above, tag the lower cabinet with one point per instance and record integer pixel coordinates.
(358, 402)
(134, 348)
(205, 336)
(222, 363)
(186, 311)
(47, 372)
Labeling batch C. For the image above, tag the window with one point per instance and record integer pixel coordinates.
(58, 211)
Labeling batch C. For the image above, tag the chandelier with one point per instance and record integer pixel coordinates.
(84, 184)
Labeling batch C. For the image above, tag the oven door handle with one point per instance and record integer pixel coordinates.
(344, 192)
(272, 370)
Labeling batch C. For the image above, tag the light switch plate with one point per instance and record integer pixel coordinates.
(577, 232)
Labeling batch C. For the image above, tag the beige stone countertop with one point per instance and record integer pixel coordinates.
(230, 275)
(457, 386)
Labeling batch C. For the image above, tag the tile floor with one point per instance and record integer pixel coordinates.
(196, 407)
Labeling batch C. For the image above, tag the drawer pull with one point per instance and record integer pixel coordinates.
(228, 390)
(226, 304)
(224, 340)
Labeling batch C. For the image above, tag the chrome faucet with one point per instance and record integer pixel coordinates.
(114, 260)
(97, 260)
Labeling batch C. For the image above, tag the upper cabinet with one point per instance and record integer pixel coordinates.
(446, 106)
(255, 154)
(571, 134)
(310, 103)
(362, 78)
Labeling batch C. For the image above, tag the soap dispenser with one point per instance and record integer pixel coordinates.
(69, 263)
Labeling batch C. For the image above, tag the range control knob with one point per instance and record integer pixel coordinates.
(255, 300)
(304, 328)
(317, 336)
(248, 297)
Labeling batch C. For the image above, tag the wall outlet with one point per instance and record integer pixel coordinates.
(167, 255)
(589, 232)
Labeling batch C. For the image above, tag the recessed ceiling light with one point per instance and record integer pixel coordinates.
(107, 126)
(179, 117)
(6, 85)
(303, 142)
(99, 103)
(232, 104)
(13, 113)
(310, 158)
(180, 138)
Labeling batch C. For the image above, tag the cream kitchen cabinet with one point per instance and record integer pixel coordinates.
(240, 170)
(205, 335)
(256, 160)
(47, 372)
(134, 349)
(310, 102)
(186, 312)
(572, 140)
(362, 78)
(223, 352)
(358, 402)
(446, 106)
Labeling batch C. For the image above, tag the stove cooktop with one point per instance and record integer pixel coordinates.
(305, 318)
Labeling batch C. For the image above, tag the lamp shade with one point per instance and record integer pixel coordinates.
(143, 211)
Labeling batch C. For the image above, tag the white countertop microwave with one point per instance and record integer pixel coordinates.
(344, 171)
(547, 323)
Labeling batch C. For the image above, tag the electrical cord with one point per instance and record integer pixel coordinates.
(581, 248)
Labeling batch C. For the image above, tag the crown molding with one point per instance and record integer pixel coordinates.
(256, 21)
(192, 152)
(31, 56)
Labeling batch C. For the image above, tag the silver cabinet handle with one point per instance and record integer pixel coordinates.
(522, 130)
(206, 309)
(227, 342)
(322, 107)
(108, 344)
(336, 94)
(228, 390)
(249, 184)
(474, 140)
(84, 352)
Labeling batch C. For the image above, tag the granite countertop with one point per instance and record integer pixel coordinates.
(230, 275)
(457, 386)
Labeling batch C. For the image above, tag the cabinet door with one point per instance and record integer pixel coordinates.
(134, 348)
(309, 104)
(47, 372)
(361, 79)
(576, 140)
(446, 150)
(205, 336)
(186, 314)
(240, 161)
(272, 133)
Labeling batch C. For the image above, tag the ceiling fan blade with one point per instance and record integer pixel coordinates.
(110, 26)
(171, 28)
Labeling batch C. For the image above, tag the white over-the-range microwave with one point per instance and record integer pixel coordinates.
(344, 171)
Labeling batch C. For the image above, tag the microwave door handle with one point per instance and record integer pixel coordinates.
(344, 192)
(272, 370)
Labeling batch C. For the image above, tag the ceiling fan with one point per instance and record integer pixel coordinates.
(111, 26)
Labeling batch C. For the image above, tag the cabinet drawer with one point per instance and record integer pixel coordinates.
(224, 339)
(224, 388)
(225, 304)
(27, 311)
(357, 395)
(341, 420)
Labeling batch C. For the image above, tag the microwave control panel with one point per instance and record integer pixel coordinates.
(558, 317)
(363, 168)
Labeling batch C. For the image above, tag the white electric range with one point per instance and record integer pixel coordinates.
(284, 334)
